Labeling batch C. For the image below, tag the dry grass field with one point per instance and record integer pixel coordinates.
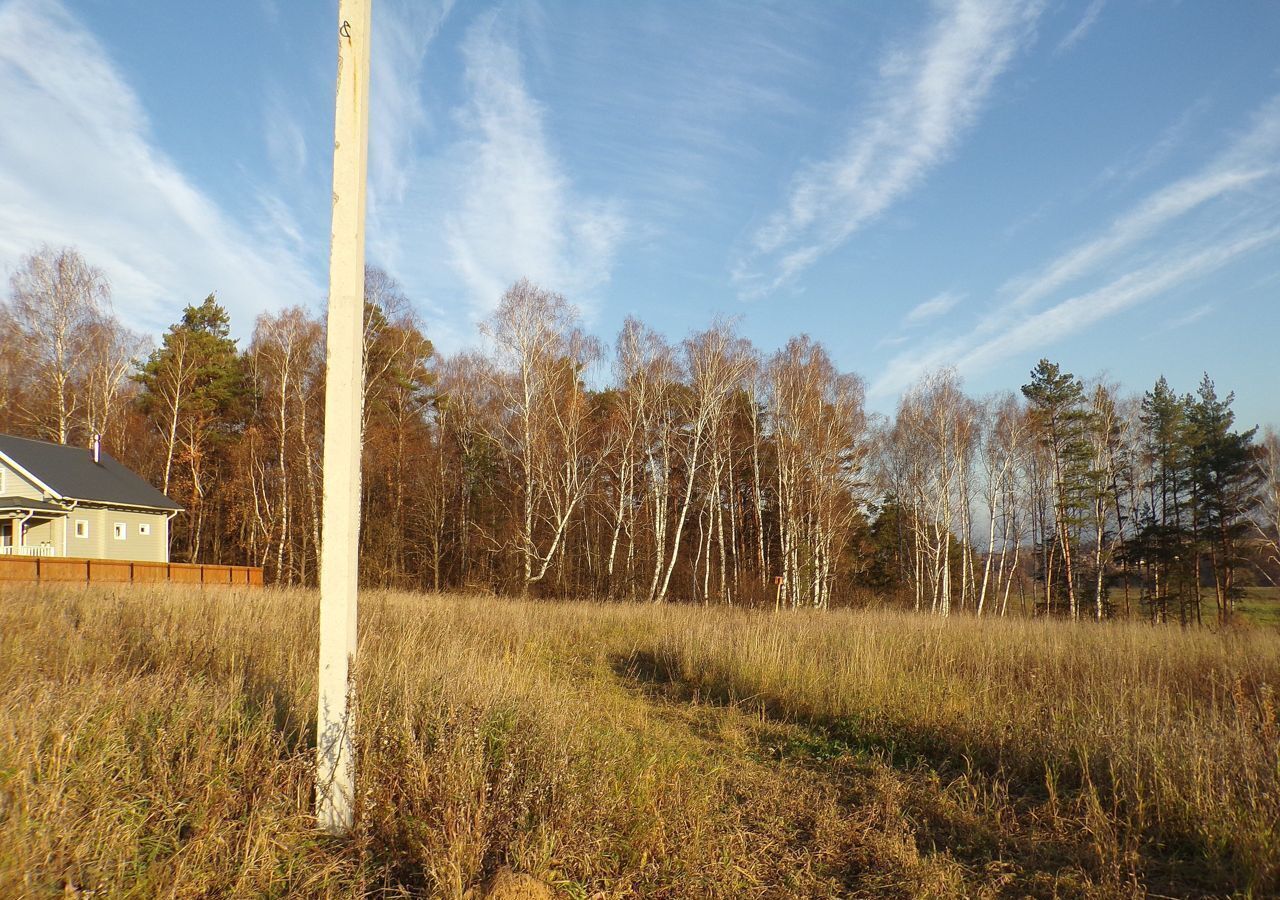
(158, 743)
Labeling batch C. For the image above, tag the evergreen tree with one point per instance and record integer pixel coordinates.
(195, 392)
(888, 567)
(1163, 543)
(1060, 418)
(1221, 463)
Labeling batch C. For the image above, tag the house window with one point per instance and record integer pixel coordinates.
(144, 528)
(82, 528)
(119, 531)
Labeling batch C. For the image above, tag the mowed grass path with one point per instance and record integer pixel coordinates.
(159, 743)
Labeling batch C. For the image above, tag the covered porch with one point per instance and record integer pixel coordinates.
(31, 527)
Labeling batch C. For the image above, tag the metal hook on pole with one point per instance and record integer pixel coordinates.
(345, 30)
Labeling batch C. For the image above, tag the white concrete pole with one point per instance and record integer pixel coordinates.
(339, 570)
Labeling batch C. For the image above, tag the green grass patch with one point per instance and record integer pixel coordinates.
(1260, 606)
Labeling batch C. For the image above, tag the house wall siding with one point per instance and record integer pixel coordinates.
(47, 531)
(14, 485)
(102, 544)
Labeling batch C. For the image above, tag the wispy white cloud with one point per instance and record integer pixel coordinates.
(697, 81)
(926, 98)
(1140, 163)
(1077, 313)
(515, 212)
(1211, 232)
(1120, 174)
(1193, 315)
(933, 307)
(1153, 213)
(275, 217)
(982, 348)
(286, 140)
(82, 169)
(404, 31)
(1251, 159)
(1087, 21)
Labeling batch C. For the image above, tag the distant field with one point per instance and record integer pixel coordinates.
(1261, 605)
(159, 743)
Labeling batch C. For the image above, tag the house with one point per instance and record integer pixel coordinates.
(57, 500)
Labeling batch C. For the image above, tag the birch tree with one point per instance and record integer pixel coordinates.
(936, 425)
(715, 361)
(286, 354)
(643, 372)
(1103, 435)
(398, 389)
(56, 297)
(111, 353)
(1003, 446)
(537, 337)
(818, 428)
(1266, 517)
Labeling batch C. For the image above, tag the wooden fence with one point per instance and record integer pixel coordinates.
(67, 570)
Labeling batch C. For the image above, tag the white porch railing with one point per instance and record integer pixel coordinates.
(37, 550)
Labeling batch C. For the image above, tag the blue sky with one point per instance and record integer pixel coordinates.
(976, 184)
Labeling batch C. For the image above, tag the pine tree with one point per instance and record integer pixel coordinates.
(1059, 417)
(195, 391)
(1221, 463)
(1164, 540)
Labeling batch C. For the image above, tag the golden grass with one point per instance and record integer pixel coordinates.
(158, 743)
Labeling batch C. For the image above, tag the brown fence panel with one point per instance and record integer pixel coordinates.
(150, 573)
(64, 570)
(217, 574)
(185, 573)
(19, 568)
(109, 571)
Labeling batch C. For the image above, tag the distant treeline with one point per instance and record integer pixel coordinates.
(705, 471)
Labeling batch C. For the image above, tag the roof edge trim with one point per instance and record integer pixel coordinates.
(114, 504)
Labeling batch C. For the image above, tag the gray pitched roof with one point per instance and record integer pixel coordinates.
(71, 472)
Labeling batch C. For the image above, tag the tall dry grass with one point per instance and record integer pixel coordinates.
(155, 742)
(1161, 746)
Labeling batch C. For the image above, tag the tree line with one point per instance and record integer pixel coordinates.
(1090, 502)
(702, 471)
